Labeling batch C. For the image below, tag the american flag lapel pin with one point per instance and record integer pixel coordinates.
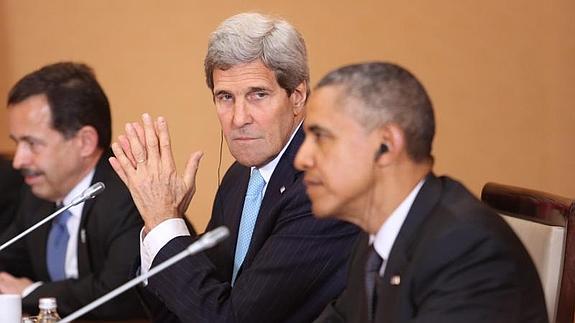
(83, 235)
(282, 189)
(395, 280)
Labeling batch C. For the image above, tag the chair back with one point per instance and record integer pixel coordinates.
(545, 224)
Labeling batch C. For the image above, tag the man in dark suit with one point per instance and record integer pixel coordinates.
(279, 264)
(59, 118)
(431, 252)
(10, 184)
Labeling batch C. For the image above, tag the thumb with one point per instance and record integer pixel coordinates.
(192, 168)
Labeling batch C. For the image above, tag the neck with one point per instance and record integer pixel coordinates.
(88, 164)
(392, 186)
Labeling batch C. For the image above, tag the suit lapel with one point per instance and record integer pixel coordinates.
(400, 255)
(100, 175)
(84, 263)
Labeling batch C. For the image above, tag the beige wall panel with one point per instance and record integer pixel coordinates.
(500, 73)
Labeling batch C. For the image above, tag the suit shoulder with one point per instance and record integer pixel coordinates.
(461, 217)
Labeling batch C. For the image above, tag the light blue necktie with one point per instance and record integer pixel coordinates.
(250, 212)
(57, 246)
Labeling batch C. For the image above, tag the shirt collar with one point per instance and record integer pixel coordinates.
(385, 237)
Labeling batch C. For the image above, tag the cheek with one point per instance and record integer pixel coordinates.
(346, 175)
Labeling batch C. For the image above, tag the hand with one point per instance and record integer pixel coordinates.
(145, 164)
(12, 285)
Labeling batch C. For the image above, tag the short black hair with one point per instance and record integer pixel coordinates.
(388, 93)
(75, 97)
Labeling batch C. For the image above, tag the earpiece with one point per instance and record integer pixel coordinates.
(382, 150)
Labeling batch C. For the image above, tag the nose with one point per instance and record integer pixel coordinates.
(242, 114)
(22, 156)
(304, 159)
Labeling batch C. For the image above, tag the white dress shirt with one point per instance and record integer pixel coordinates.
(385, 237)
(73, 225)
(169, 229)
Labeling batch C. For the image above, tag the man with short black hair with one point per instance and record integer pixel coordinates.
(431, 252)
(59, 118)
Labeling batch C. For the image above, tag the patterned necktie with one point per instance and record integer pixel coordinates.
(372, 267)
(250, 212)
(57, 246)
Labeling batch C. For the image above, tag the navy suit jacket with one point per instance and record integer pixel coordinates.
(454, 260)
(107, 247)
(295, 265)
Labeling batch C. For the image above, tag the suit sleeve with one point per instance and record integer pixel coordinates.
(301, 265)
(15, 259)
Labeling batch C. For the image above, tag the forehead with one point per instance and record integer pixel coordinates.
(32, 112)
(328, 109)
(249, 75)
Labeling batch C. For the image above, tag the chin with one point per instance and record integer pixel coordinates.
(43, 194)
(322, 212)
(250, 161)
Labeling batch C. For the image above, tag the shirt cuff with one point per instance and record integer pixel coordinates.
(157, 238)
(31, 288)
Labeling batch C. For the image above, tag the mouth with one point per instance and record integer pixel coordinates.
(30, 176)
(244, 139)
(311, 182)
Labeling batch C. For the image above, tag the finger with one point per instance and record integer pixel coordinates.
(192, 168)
(139, 131)
(165, 144)
(151, 139)
(125, 144)
(118, 169)
(137, 147)
(123, 163)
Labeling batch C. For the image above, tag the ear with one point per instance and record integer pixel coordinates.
(87, 138)
(394, 138)
(298, 98)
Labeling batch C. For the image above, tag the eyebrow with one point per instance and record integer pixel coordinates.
(218, 92)
(26, 139)
(250, 90)
(257, 89)
(314, 128)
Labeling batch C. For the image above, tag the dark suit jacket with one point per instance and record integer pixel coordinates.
(295, 265)
(107, 247)
(457, 261)
(10, 185)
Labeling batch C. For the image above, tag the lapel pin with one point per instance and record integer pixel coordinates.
(83, 235)
(395, 280)
(282, 189)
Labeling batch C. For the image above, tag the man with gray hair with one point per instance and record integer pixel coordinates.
(280, 264)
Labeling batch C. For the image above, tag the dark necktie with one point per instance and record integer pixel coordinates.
(57, 246)
(372, 267)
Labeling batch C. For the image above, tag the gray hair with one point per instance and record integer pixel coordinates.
(247, 37)
(388, 93)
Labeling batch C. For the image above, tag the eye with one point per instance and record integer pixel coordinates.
(34, 144)
(224, 97)
(258, 95)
